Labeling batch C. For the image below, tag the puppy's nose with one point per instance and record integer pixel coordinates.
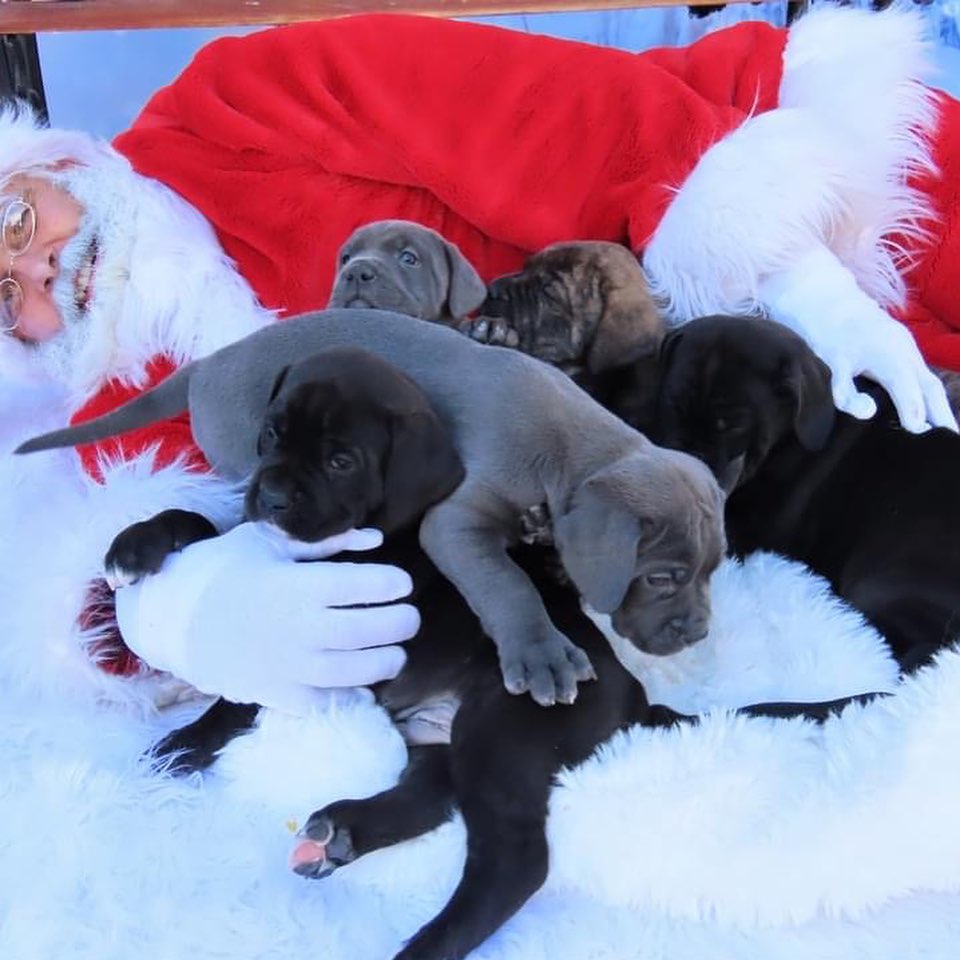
(689, 629)
(361, 271)
(274, 495)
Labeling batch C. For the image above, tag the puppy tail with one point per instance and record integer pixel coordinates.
(165, 400)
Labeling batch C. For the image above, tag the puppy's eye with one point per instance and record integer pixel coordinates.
(660, 580)
(409, 258)
(721, 423)
(344, 259)
(341, 462)
(270, 434)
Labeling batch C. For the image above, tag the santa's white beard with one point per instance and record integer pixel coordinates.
(107, 231)
(160, 284)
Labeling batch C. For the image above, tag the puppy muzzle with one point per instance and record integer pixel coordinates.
(275, 497)
(674, 635)
(271, 496)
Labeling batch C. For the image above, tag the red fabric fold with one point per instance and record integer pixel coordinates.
(289, 139)
(933, 310)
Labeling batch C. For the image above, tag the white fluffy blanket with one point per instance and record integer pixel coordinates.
(735, 839)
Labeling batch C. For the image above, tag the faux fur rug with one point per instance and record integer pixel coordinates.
(738, 838)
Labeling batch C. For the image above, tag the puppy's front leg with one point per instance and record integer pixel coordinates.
(467, 536)
(141, 548)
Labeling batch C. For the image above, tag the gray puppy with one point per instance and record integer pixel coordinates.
(408, 268)
(638, 528)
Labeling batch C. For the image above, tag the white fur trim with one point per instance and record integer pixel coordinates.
(712, 840)
(729, 841)
(27, 146)
(828, 166)
(56, 525)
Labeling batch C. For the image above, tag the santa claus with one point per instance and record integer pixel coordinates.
(807, 173)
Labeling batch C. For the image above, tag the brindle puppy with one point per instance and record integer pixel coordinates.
(582, 306)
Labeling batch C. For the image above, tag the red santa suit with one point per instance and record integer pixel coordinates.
(714, 163)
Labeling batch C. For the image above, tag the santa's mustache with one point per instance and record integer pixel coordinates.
(74, 290)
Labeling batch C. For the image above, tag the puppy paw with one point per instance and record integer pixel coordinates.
(536, 527)
(324, 846)
(180, 754)
(141, 548)
(549, 669)
(491, 330)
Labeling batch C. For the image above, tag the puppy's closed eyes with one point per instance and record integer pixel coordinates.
(731, 388)
(583, 306)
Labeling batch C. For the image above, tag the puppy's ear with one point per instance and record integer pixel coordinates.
(668, 345)
(467, 291)
(806, 379)
(630, 327)
(423, 467)
(597, 540)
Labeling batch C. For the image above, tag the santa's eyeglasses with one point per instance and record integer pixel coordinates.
(18, 224)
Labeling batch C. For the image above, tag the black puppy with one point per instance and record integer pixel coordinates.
(864, 503)
(346, 443)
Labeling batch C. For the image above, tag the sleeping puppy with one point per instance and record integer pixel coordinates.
(582, 306)
(527, 436)
(408, 268)
(864, 503)
(348, 441)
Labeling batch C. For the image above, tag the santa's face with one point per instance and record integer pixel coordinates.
(120, 270)
(74, 273)
(37, 270)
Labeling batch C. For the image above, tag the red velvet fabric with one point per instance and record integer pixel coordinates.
(933, 310)
(289, 139)
(171, 440)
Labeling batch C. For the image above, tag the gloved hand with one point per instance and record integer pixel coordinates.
(819, 299)
(240, 617)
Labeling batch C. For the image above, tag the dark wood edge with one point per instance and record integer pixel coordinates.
(37, 16)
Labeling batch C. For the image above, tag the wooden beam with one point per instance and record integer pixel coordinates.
(39, 16)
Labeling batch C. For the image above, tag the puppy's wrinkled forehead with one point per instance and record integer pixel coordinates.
(681, 496)
(391, 237)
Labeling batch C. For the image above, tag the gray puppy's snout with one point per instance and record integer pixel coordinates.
(360, 271)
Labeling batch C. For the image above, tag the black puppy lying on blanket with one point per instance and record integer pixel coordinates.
(864, 503)
(337, 451)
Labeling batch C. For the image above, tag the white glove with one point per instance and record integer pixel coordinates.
(238, 616)
(819, 299)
